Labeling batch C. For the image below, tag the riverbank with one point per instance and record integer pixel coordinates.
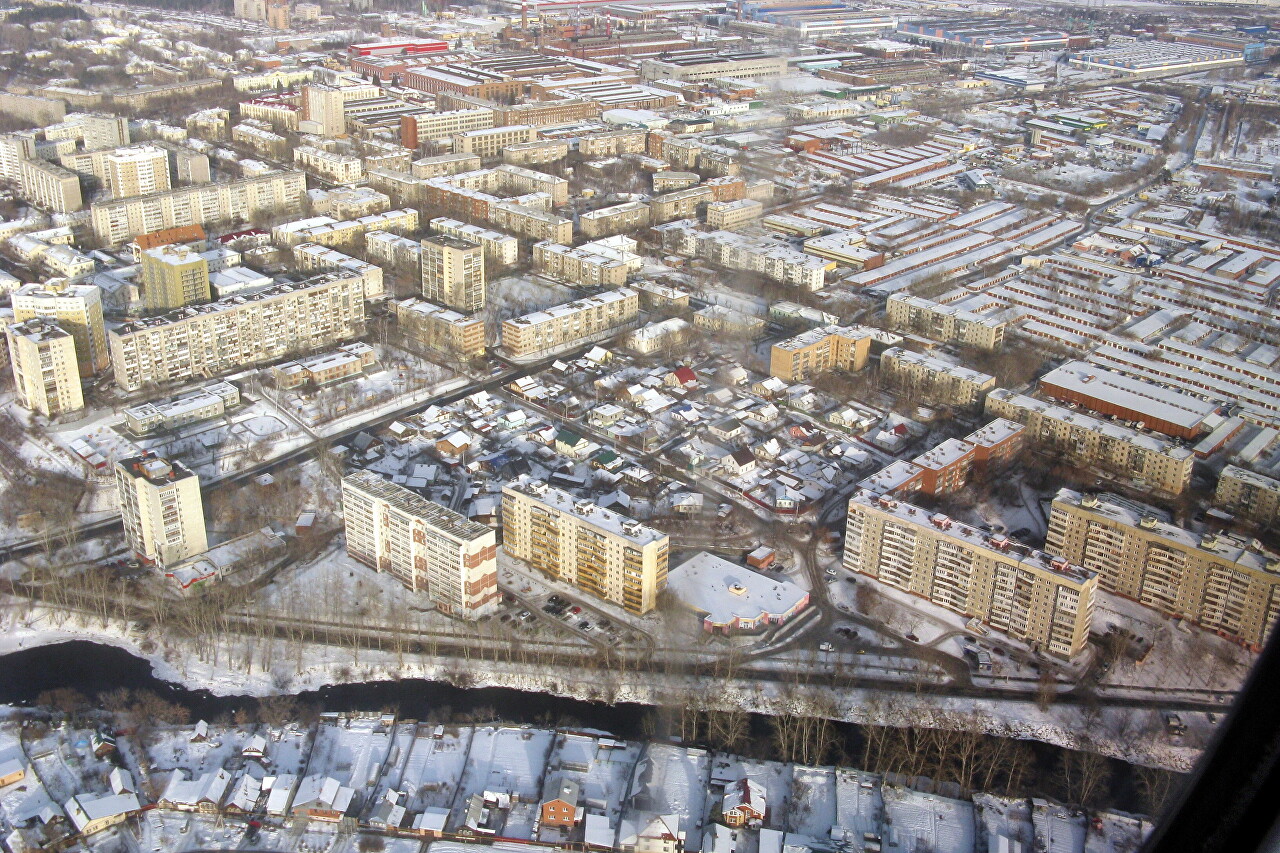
(1132, 734)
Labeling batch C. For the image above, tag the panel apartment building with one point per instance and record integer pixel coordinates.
(425, 546)
(939, 382)
(45, 376)
(944, 322)
(1222, 583)
(116, 222)
(1032, 596)
(161, 509)
(1248, 495)
(1109, 446)
(820, 350)
(613, 557)
(572, 323)
(202, 341)
(76, 308)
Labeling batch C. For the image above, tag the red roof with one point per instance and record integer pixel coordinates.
(686, 375)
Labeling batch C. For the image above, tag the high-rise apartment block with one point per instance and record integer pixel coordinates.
(240, 331)
(137, 170)
(43, 358)
(1043, 600)
(161, 509)
(453, 272)
(174, 276)
(1225, 584)
(76, 308)
(326, 107)
(116, 222)
(427, 547)
(49, 186)
(613, 557)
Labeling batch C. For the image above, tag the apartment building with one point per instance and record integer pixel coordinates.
(531, 223)
(500, 249)
(137, 170)
(310, 257)
(237, 332)
(43, 359)
(573, 323)
(945, 323)
(453, 272)
(610, 556)
(489, 142)
(441, 329)
(325, 107)
(1110, 447)
(535, 153)
(1043, 600)
(733, 214)
(938, 382)
(1248, 495)
(681, 204)
(77, 309)
(116, 222)
(779, 262)
(615, 219)
(444, 165)
(49, 186)
(173, 276)
(329, 165)
(602, 263)
(427, 547)
(820, 350)
(211, 401)
(1222, 583)
(613, 143)
(161, 509)
(386, 248)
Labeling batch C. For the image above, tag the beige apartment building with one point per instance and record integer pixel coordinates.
(444, 165)
(820, 350)
(77, 309)
(116, 222)
(944, 322)
(1109, 446)
(137, 170)
(572, 323)
(1043, 600)
(681, 204)
(613, 143)
(1222, 583)
(201, 341)
(615, 219)
(45, 376)
(489, 142)
(610, 556)
(537, 153)
(1248, 495)
(441, 329)
(308, 257)
(329, 165)
(173, 276)
(733, 214)
(427, 547)
(49, 186)
(602, 263)
(161, 508)
(531, 223)
(938, 382)
(500, 249)
(453, 272)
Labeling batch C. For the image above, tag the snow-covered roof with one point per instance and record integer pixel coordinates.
(726, 592)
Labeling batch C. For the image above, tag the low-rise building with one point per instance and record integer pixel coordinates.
(945, 323)
(820, 350)
(615, 219)
(441, 329)
(733, 214)
(732, 599)
(1116, 449)
(606, 262)
(202, 404)
(572, 323)
(936, 381)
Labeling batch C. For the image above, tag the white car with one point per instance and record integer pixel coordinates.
(826, 647)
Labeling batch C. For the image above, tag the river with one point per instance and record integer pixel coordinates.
(93, 668)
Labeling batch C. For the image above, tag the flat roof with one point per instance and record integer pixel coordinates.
(727, 592)
(1090, 380)
(440, 518)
